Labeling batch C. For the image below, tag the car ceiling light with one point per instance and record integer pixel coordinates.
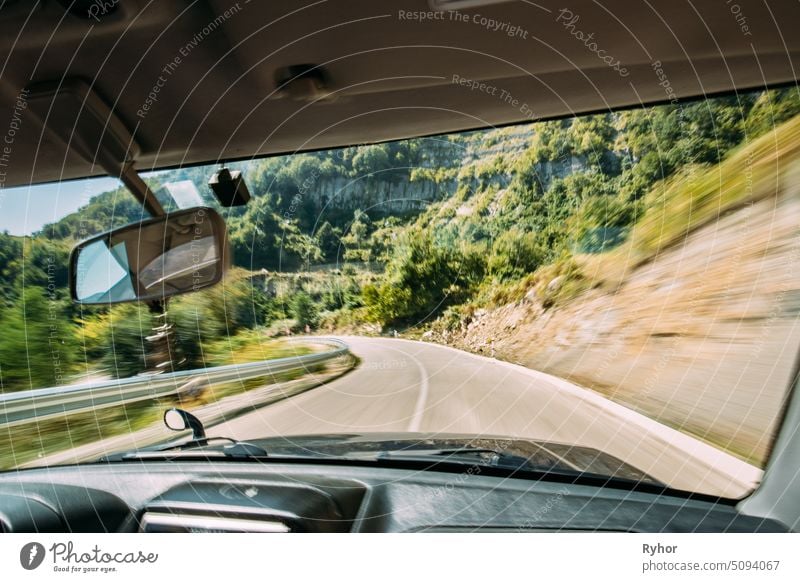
(305, 82)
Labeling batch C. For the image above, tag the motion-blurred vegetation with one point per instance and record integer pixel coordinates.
(496, 214)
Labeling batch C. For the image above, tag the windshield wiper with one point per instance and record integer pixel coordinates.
(190, 450)
(462, 455)
(501, 462)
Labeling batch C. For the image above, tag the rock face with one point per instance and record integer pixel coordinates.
(378, 197)
(702, 338)
(383, 195)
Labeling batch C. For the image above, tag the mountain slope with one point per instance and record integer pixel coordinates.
(694, 321)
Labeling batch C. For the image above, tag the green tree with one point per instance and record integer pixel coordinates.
(421, 279)
(38, 347)
(329, 241)
(592, 137)
(255, 237)
(602, 223)
(371, 160)
(356, 239)
(771, 108)
(10, 255)
(304, 310)
(515, 254)
(125, 347)
(298, 249)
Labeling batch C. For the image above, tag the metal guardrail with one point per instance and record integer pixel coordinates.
(33, 405)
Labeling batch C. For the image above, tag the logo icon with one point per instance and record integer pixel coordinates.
(31, 555)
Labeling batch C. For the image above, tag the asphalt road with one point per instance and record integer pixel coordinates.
(407, 386)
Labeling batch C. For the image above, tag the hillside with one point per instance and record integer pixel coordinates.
(693, 321)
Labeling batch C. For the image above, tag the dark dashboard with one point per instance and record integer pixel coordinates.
(191, 496)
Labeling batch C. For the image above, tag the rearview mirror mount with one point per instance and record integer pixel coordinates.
(148, 261)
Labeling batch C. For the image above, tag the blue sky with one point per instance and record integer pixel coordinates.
(26, 209)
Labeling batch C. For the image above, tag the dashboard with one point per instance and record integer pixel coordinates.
(191, 496)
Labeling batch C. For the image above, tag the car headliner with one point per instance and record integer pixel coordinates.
(217, 65)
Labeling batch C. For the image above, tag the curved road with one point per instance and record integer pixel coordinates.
(407, 386)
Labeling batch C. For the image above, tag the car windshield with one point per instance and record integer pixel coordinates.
(622, 285)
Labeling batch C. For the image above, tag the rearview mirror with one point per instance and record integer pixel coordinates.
(178, 419)
(180, 252)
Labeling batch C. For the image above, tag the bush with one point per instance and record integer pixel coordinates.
(304, 311)
(125, 347)
(516, 254)
(421, 280)
(215, 313)
(602, 223)
(38, 347)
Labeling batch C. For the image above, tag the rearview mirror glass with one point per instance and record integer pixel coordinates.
(175, 420)
(180, 252)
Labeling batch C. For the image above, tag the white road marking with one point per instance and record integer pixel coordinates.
(422, 398)
(738, 476)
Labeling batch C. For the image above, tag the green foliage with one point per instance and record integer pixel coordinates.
(250, 346)
(38, 347)
(304, 310)
(560, 282)
(515, 254)
(32, 262)
(254, 237)
(356, 239)
(421, 279)
(371, 159)
(592, 138)
(328, 240)
(103, 212)
(771, 109)
(441, 175)
(124, 346)
(218, 312)
(506, 219)
(602, 222)
(10, 256)
(699, 194)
